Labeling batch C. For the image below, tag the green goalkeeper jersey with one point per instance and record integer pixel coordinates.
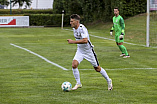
(118, 25)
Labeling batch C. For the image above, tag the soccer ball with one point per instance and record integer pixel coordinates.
(66, 86)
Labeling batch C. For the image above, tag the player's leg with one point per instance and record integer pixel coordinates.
(75, 70)
(105, 75)
(102, 72)
(76, 74)
(123, 50)
(91, 57)
(76, 61)
(123, 54)
(117, 41)
(122, 47)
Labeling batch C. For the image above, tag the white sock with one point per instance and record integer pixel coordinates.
(76, 75)
(104, 74)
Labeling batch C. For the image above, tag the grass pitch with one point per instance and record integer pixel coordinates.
(28, 79)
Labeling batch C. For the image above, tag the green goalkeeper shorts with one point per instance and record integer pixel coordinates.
(118, 40)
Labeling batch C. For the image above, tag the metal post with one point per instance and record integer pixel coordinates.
(147, 34)
(10, 8)
(36, 4)
(62, 19)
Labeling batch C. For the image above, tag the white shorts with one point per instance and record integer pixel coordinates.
(89, 56)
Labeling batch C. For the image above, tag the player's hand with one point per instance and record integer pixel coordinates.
(121, 36)
(70, 41)
(111, 32)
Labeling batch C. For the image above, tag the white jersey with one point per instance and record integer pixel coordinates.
(81, 33)
(84, 51)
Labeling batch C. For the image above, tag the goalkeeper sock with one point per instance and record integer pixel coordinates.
(76, 75)
(104, 74)
(121, 49)
(124, 50)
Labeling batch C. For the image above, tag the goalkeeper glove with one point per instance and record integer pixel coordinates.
(121, 36)
(111, 32)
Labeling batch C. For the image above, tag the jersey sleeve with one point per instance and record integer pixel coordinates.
(112, 28)
(83, 32)
(122, 24)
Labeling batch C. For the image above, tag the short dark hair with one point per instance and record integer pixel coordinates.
(75, 16)
(116, 8)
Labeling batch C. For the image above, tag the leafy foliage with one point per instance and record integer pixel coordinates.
(92, 10)
(39, 17)
(26, 11)
(69, 6)
(4, 2)
(47, 19)
(21, 2)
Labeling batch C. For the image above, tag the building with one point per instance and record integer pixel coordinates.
(1, 6)
(36, 4)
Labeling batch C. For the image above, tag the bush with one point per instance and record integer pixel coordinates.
(38, 17)
(48, 19)
(26, 11)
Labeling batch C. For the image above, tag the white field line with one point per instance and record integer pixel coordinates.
(80, 69)
(114, 40)
(109, 39)
(70, 69)
(39, 56)
(38, 43)
(126, 69)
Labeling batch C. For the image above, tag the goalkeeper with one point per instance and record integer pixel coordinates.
(118, 27)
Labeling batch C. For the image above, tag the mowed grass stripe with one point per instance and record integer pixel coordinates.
(39, 56)
(26, 79)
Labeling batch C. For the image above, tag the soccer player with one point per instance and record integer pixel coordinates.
(119, 26)
(84, 51)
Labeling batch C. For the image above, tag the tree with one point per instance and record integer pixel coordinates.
(21, 2)
(69, 6)
(101, 10)
(4, 2)
(58, 6)
(28, 2)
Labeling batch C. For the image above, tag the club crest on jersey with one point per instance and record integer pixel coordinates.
(116, 20)
(77, 35)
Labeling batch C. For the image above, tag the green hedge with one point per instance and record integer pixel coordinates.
(48, 19)
(102, 10)
(38, 17)
(45, 19)
(26, 11)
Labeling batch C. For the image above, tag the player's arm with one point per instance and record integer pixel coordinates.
(84, 35)
(122, 26)
(81, 41)
(112, 30)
